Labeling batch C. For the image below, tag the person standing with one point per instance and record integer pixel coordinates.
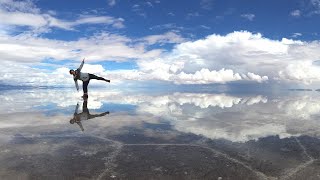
(85, 78)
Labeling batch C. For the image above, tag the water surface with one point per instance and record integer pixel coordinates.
(54, 134)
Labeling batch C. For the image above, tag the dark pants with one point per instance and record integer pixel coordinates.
(86, 83)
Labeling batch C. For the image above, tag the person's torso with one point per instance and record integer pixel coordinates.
(83, 76)
(83, 116)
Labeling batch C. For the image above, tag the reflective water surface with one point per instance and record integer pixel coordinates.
(54, 134)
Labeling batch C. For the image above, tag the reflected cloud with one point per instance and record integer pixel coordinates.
(237, 118)
(303, 107)
(35, 130)
(283, 117)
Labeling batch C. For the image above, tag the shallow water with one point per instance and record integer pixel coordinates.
(54, 134)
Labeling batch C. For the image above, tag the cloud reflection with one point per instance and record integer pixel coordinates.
(237, 118)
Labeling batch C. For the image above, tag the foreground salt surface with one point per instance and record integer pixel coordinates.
(159, 136)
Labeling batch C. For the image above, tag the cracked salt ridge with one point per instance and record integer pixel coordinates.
(109, 164)
(258, 173)
(303, 148)
(292, 172)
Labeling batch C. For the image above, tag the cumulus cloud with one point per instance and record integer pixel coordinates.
(205, 76)
(255, 77)
(247, 53)
(304, 72)
(237, 56)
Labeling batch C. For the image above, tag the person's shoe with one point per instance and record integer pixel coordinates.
(107, 80)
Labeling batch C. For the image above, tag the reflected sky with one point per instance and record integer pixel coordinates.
(248, 130)
(237, 118)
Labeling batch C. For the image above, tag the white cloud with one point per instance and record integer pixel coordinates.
(254, 100)
(295, 35)
(23, 6)
(255, 77)
(170, 14)
(249, 54)
(301, 71)
(96, 20)
(296, 13)
(22, 19)
(205, 76)
(169, 37)
(249, 17)
(69, 25)
(111, 2)
(237, 56)
(205, 27)
(25, 48)
(205, 100)
(149, 4)
(19, 13)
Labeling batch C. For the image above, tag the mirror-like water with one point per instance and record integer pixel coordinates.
(56, 134)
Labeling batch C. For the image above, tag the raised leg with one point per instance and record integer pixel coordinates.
(92, 76)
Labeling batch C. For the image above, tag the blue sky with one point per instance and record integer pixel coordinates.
(177, 42)
(194, 19)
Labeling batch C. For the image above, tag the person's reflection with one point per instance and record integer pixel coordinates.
(85, 115)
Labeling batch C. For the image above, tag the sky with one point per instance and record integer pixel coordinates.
(194, 42)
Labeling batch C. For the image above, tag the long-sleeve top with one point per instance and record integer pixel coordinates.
(80, 76)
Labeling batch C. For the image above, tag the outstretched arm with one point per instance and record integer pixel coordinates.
(76, 83)
(80, 124)
(81, 65)
(76, 110)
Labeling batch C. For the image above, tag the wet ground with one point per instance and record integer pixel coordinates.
(121, 135)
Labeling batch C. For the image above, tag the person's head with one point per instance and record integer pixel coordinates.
(72, 121)
(71, 71)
